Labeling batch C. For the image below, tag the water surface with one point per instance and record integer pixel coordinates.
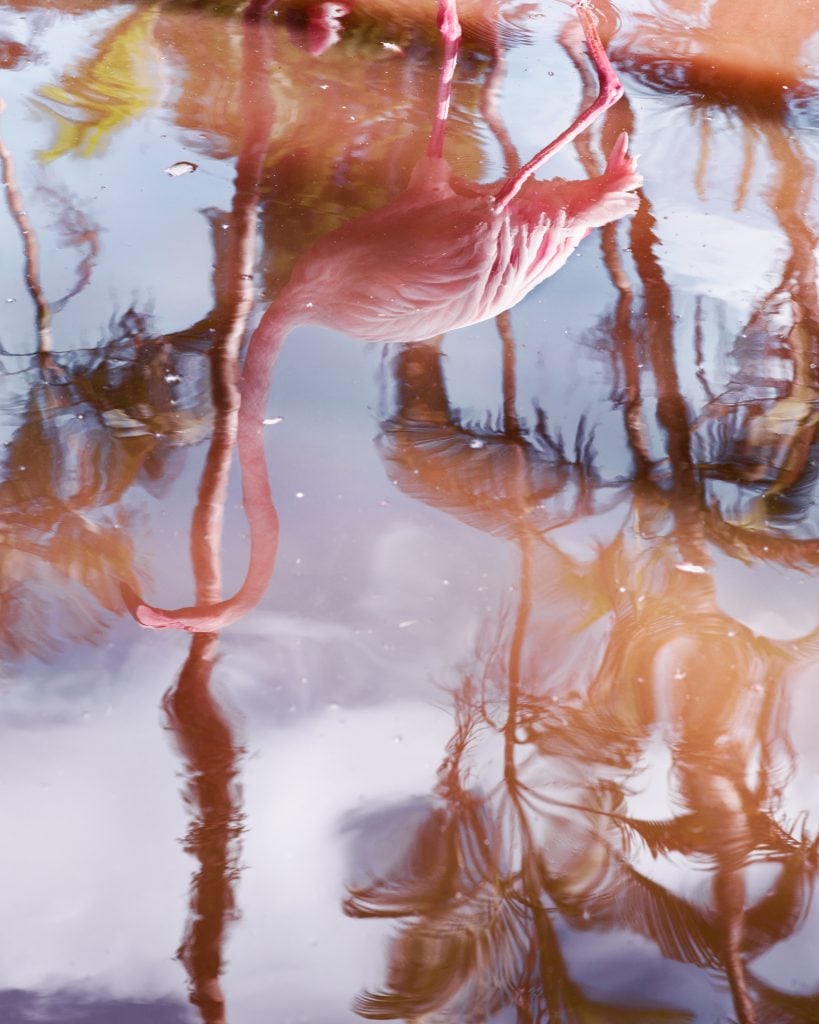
(523, 728)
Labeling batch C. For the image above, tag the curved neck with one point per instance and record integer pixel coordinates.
(257, 499)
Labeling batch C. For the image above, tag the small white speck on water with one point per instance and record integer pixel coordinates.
(271, 421)
(172, 378)
(679, 674)
(299, 494)
(476, 443)
(393, 47)
(445, 582)
(324, 86)
(180, 167)
(11, 300)
(309, 305)
(622, 590)
(406, 623)
(691, 567)
(80, 415)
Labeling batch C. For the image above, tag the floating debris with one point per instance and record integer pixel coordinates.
(181, 167)
(690, 567)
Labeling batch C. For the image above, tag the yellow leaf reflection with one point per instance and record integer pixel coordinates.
(116, 85)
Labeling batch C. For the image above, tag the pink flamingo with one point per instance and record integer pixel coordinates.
(444, 254)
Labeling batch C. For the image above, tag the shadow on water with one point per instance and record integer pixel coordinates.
(619, 771)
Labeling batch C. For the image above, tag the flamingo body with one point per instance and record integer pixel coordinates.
(442, 255)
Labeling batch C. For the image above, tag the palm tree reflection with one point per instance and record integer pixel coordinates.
(534, 838)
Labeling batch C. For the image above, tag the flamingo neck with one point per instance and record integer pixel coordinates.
(263, 520)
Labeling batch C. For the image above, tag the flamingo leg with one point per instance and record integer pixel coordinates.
(450, 29)
(611, 90)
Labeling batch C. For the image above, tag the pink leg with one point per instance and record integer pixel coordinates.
(450, 29)
(610, 91)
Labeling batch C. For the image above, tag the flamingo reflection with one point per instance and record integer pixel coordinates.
(445, 254)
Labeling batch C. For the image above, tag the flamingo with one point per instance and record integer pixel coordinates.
(444, 254)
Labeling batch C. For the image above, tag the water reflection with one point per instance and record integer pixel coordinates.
(533, 837)
(205, 739)
(766, 424)
(445, 254)
(198, 721)
(624, 824)
(536, 833)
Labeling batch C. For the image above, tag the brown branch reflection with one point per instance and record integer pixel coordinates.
(31, 251)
